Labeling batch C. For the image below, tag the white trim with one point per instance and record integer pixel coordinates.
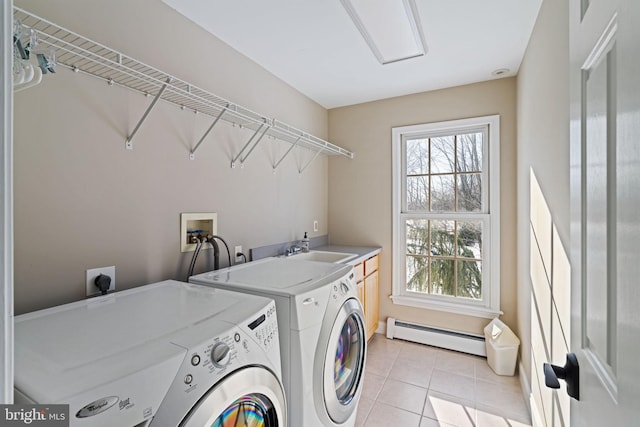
(447, 307)
(491, 305)
(525, 387)
(603, 45)
(537, 420)
(6, 204)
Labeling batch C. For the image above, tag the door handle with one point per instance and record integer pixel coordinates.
(570, 372)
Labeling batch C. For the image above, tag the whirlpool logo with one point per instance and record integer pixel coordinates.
(34, 415)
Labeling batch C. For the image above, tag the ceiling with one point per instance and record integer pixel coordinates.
(314, 46)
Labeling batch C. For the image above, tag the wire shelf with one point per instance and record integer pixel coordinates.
(82, 55)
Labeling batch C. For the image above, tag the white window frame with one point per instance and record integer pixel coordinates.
(489, 306)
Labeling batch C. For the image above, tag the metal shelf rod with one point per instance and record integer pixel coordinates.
(193, 150)
(254, 146)
(275, 166)
(129, 144)
(310, 161)
(233, 162)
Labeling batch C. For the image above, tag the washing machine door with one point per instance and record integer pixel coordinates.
(344, 362)
(251, 397)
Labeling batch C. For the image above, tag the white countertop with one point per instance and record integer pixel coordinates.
(363, 252)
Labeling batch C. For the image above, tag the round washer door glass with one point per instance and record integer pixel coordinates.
(345, 362)
(252, 410)
(348, 360)
(250, 397)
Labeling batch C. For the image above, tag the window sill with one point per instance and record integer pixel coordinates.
(466, 310)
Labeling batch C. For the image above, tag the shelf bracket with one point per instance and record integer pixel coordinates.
(264, 132)
(215, 122)
(128, 143)
(242, 160)
(310, 161)
(275, 166)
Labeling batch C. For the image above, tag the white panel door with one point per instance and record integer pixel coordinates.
(605, 204)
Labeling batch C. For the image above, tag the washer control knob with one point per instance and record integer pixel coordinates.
(345, 287)
(195, 360)
(220, 354)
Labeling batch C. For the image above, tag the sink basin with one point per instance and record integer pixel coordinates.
(323, 256)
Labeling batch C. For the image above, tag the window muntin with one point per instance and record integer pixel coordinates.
(444, 218)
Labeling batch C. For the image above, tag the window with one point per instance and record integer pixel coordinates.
(446, 222)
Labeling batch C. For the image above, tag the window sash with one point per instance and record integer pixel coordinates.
(489, 306)
(484, 173)
(485, 256)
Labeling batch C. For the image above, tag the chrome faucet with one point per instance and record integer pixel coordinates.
(292, 250)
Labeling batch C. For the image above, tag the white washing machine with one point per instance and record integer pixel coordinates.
(165, 354)
(322, 333)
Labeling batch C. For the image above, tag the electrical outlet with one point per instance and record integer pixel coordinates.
(315, 225)
(92, 289)
(238, 249)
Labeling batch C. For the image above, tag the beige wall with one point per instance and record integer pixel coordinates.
(543, 205)
(360, 189)
(83, 201)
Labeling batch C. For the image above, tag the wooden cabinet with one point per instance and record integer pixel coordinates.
(358, 271)
(371, 303)
(366, 274)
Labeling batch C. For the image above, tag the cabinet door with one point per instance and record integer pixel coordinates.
(371, 265)
(358, 271)
(371, 303)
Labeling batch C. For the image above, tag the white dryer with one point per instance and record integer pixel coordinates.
(322, 333)
(165, 354)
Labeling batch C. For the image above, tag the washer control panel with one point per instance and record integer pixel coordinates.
(243, 336)
(225, 352)
(218, 354)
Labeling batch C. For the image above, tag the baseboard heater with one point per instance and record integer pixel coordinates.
(452, 340)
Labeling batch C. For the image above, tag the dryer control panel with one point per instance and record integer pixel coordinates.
(343, 288)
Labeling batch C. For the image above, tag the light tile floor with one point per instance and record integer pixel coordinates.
(414, 385)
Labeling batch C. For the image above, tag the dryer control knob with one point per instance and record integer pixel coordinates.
(220, 355)
(345, 287)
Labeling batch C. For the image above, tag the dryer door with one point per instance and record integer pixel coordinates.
(251, 397)
(344, 362)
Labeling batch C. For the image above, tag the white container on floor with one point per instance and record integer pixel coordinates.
(502, 347)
